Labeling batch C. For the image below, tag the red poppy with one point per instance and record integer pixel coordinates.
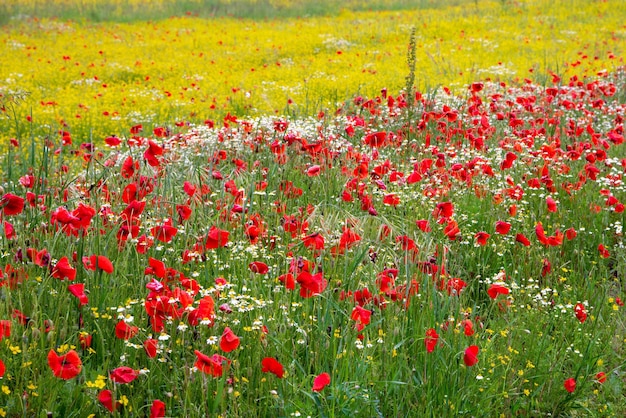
(150, 346)
(123, 374)
(481, 238)
(112, 141)
(431, 340)
(470, 357)
(423, 225)
(601, 377)
(63, 270)
(288, 280)
(311, 284)
(67, 366)
(123, 331)
(502, 227)
(271, 365)
(604, 253)
(157, 409)
(258, 267)
(95, 262)
(105, 397)
(213, 365)
(361, 316)
(570, 384)
(468, 327)
(314, 241)
(521, 238)
(2, 368)
(85, 340)
(375, 139)
(320, 382)
(164, 232)
(580, 312)
(391, 199)
(570, 234)
(229, 340)
(497, 289)
(78, 290)
(5, 329)
(216, 238)
(11, 204)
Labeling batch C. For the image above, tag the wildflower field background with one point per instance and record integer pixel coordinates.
(286, 208)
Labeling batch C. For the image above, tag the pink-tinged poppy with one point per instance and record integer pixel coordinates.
(314, 241)
(216, 238)
(455, 286)
(271, 365)
(229, 341)
(320, 382)
(470, 357)
(481, 238)
(123, 374)
(105, 397)
(96, 262)
(123, 331)
(78, 290)
(66, 366)
(580, 312)
(570, 385)
(431, 340)
(5, 329)
(521, 238)
(551, 204)
(151, 346)
(63, 270)
(157, 409)
(164, 232)
(11, 204)
(213, 365)
(313, 171)
(258, 267)
(502, 227)
(601, 377)
(497, 289)
(604, 253)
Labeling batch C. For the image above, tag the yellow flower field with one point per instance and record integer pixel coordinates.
(98, 78)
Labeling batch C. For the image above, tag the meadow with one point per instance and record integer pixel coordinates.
(275, 209)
